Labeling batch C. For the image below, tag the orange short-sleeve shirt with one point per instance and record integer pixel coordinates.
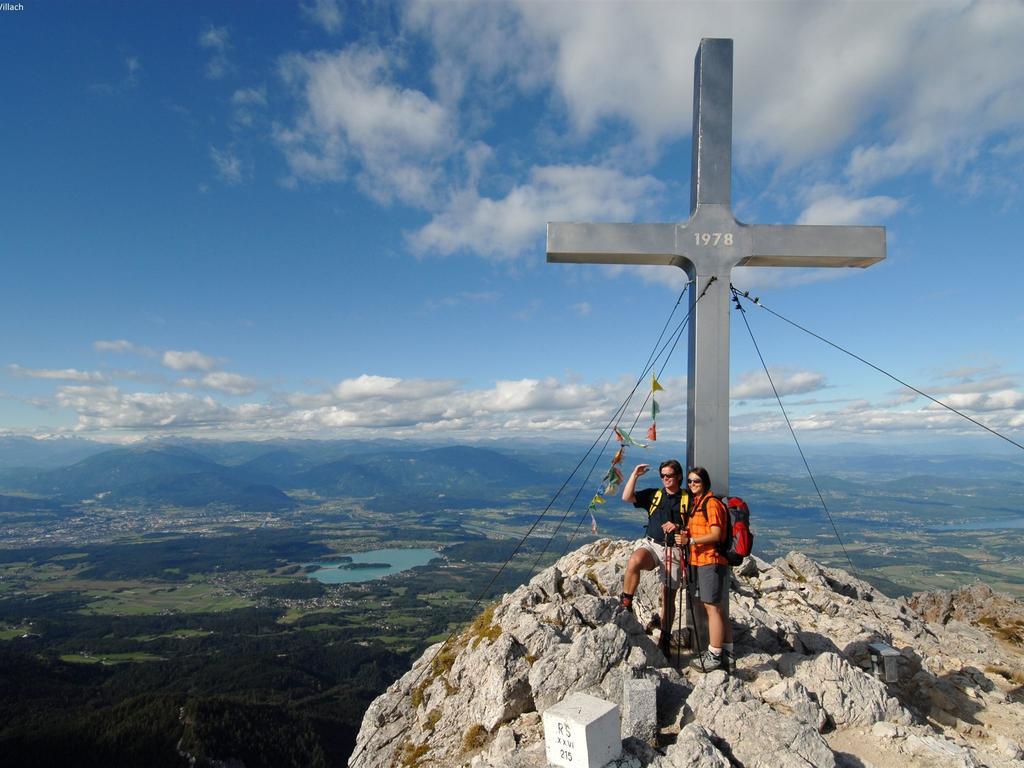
(699, 525)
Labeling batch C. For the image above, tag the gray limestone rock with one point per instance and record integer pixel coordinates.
(847, 693)
(694, 748)
(789, 696)
(756, 735)
(802, 632)
(640, 709)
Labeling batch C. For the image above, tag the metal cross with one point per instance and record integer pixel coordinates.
(707, 246)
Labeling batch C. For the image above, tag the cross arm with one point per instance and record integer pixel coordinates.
(612, 243)
(799, 245)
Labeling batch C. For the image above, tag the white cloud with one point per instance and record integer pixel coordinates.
(248, 103)
(951, 99)
(222, 381)
(486, 48)
(249, 97)
(1000, 400)
(373, 404)
(353, 113)
(228, 165)
(116, 345)
(61, 374)
(755, 385)
(943, 76)
(324, 13)
(188, 360)
(217, 41)
(107, 408)
(837, 209)
(973, 385)
(583, 308)
(506, 228)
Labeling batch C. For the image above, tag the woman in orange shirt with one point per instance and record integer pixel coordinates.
(705, 528)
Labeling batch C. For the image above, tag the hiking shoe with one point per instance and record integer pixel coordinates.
(728, 661)
(707, 662)
(652, 624)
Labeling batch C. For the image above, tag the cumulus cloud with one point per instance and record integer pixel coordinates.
(487, 48)
(222, 381)
(839, 209)
(374, 404)
(505, 228)
(354, 114)
(108, 408)
(755, 385)
(951, 100)
(918, 72)
(62, 374)
(188, 360)
(1000, 400)
(324, 13)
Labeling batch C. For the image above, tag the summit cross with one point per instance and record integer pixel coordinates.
(707, 246)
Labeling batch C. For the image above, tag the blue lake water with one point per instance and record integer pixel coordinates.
(1014, 523)
(398, 560)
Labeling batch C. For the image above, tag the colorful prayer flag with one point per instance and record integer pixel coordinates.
(612, 479)
(655, 409)
(619, 454)
(655, 386)
(625, 439)
(652, 432)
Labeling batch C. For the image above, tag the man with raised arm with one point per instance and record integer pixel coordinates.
(666, 509)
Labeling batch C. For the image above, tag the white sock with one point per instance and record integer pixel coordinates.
(715, 651)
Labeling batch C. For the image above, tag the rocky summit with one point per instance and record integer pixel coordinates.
(802, 693)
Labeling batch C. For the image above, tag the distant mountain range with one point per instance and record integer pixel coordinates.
(276, 475)
(185, 475)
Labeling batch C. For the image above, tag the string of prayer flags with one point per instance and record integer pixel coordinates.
(652, 432)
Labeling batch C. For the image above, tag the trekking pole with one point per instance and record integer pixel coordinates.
(666, 602)
(689, 600)
(680, 610)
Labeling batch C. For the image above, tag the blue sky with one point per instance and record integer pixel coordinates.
(327, 219)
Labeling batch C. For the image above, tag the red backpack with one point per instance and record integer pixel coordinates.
(738, 541)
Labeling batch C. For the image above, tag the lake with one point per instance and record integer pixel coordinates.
(397, 560)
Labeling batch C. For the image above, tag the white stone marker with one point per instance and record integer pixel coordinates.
(582, 730)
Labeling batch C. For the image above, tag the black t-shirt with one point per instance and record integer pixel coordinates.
(667, 510)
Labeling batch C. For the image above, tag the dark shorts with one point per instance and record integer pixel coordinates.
(712, 582)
